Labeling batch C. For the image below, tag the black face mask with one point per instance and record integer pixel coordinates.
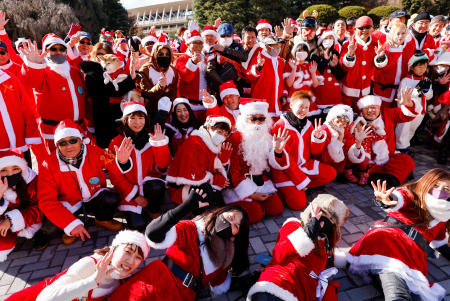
(14, 179)
(327, 228)
(163, 61)
(223, 227)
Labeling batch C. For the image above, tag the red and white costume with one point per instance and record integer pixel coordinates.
(18, 127)
(303, 171)
(13, 56)
(184, 244)
(178, 137)
(227, 88)
(25, 222)
(391, 250)
(427, 44)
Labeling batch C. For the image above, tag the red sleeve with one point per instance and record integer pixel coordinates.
(186, 69)
(32, 214)
(162, 156)
(33, 75)
(11, 52)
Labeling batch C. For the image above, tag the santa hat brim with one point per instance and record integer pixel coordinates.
(216, 120)
(132, 237)
(254, 108)
(179, 100)
(325, 35)
(369, 100)
(14, 160)
(263, 25)
(67, 132)
(193, 39)
(339, 110)
(229, 91)
(211, 32)
(134, 108)
(50, 41)
(148, 39)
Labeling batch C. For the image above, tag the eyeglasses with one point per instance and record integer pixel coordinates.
(100, 54)
(85, 43)
(20, 46)
(60, 49)
(3, 52)
(67, 142)
(149, 44)
(344, 118)
(365, 27)
(254, 118)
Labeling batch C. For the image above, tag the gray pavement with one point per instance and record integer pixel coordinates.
(25, 266)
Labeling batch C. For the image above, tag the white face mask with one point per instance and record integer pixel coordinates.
(327, 43)
(438, 208)
(301, 55)
(225, 42)
(217, 139)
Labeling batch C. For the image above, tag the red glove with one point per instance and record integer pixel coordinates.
(74, 28)
(225, 154)
(219, 180)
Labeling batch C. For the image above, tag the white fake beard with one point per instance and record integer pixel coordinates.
(439, 209)
(256, 143)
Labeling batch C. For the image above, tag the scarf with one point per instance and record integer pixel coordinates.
(139, 140)
(419, 36)
(438, 208)
(76, 161)
(293, 120)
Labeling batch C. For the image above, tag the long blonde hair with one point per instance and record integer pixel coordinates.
(394, 28)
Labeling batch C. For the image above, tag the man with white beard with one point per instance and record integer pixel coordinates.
(254, 153)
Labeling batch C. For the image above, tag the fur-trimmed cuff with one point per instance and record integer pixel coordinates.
(356, 155)
(245, 188)
(286, 74)
(169, 240)
(4, 206)
(132, 193)
(33, 140)
(321, 140)
(407, 112)
(120, 168)
(34, 65)
(274, 163)
(348, 63)
(381, 64)
(72, 226)
(335, 150)
(164, 104)
(191, 66)
(222, 288)
(400, 201)
(301, 242)
(210, 105)
(303, 184)
(29, 231)
(156, 143)
(291, 219)
(254, 71)
(17, 220)
(271, 288)
(439, 243)
(340, 259)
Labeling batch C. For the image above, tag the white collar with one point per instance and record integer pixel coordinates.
(7, 65)
(203, 133)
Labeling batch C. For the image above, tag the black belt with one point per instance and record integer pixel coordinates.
(386, 86)
(195, 101)
(187, 279)
(412, 233)
(56, 122)
(257, 179)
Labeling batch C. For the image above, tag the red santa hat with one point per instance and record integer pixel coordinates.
(150, 38)
(237, 38)
(51, 39)
(14, 157)
(179, 100)
(263, 23)
(67, 128)
(251, 106)
(369, 100)
(133, 106)
(162, 38)
(132, 237)
(325, 34)
(193, 36)
(210, 30)
(228, 88)
(339, 110)
(212, 120)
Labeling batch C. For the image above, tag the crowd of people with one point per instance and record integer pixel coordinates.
(232, 128)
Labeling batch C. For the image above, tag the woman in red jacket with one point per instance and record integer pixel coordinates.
(142, 186)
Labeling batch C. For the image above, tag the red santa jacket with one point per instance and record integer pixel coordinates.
(328, 92)
(427, 44)
(17, 124)
(391, 250)
(268, 83)
(214, 109)
(191, 77)
(155, 154)
(59, 184)
(359, 72)
(177, 138)
(299, 147)
(296, 264)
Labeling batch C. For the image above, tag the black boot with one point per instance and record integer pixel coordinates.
(135, 221)
(40, 240)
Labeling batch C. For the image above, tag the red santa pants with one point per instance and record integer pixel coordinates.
(7, 245)
(399, 165)
(351, 101)
(256, 210)
(294, 198)
(326, 174)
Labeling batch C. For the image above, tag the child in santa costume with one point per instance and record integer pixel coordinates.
(20, 215)
(422, 93)
(142, 186)
(95, 277)
(254, 153)
(303, 256)
(341, 149)
(72, 181)
(229, 95)
(200, 252)
(306, 140)
(181, 124)
(199, 160)
(394, 250)
(384, 162)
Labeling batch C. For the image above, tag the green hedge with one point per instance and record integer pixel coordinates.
(381, 11)
(354, 10)
(327, 13)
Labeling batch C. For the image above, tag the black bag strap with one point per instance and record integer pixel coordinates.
(81, 193)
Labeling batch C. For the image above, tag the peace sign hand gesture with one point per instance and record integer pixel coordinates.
(318, 132)
(260, 60)
(379, 190)
(352, 46)
(280, 140)
(379, 50)
(102, 267)
(31, 52)
(207, 98)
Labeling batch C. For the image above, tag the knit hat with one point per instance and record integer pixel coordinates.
(225, 29)
(422, 16)
(132, 237)
(210, 30)
(150, 38)
(179, 100)
(398, 14)
(339, 110)
(228, 88)
(14, 157)
(67, 128)
(51, 39)
(263, 23)
(417, 57)
(334, 208)
(3, 46)
(325, 34)
(369, 100)
(212, 120)
(193, 36)
(364, 21)
(250, 106)
(132, 106)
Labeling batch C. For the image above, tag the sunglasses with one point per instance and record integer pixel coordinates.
(149, 44)
(85, 43)
(67, 142)
(100, 54)
(365, 27)
(60, 49)
(3, 52)
(344, 118)
(254, 118)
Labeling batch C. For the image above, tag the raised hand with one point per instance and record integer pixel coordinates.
(102, 267)
(352, 46)
(81, 232)
(379, 190)
(124, 151)
(162, 81)
(73, 40)
(3, 19)
(379, 50)
(74, 28)
(292, 64)
(3, 186)
(31, 52)
(202, 195)
(196, 57)
(361, 134)
(313, 67)
(225, 152)
(260, 60)
(443, 80)
(5, 225)
(280, 140)
(158, 134)
(318, 132)
(217, 22)
(278, 31)
(207, 98)
(327, 54)
(288, 26)
(406, 97)
(334, 60)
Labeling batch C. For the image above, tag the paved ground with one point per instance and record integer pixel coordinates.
(25, 266)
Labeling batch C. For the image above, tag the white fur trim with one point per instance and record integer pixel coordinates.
(131, 208)
(348, 63)
(184, 181)
(273, 160)
(356, 155)
(193, 39)
(291, 219)
(13, 160)
(33, 140)
(321, 140)
(369, 100)
(271, 288)
(132, 193)
(352, 92)
(210, 32)
(179, 100)
(254, 72)
(4, 206)
(303, 184)
(191, 65)
(340, 258)
(34, 65)
(29, 231)
(149, 39)
(245, 188)
(4, 254)
(256, 107)
(301, 242)
(206, 138)
(67, 132)
(164, 104)
(72, 226)
(120, 168)
(223, 287)
(169, 240)
(17, 220)
(335, 150)
(400, 201)
(136, 108)
(229, 91)
(339, 110)
(263, 25)
(132, 237)
(210, 105)
(52, 40)
(407, 112)
(381, 150)
(439, 243)
(382, 63)
(156, 143)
